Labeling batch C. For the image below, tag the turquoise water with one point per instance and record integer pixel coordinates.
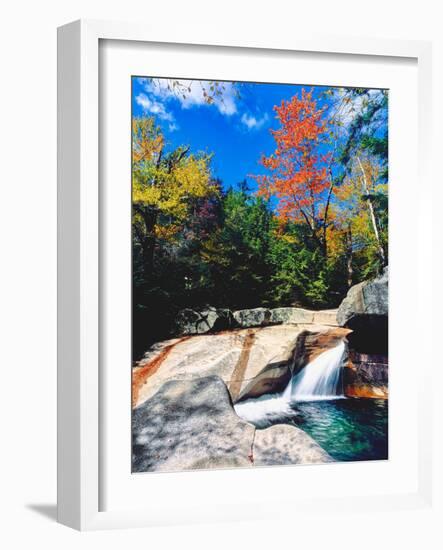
(348, 429)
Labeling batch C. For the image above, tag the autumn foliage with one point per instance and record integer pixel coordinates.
(298, 167)
(317, 224)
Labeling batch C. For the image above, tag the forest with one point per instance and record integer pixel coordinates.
(306, 225)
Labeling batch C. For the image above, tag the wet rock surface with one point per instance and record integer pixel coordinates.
(367, 376)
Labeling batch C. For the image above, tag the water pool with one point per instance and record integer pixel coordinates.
(348, 429)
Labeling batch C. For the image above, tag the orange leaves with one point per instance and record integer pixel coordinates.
(300, 121)
(298, 165)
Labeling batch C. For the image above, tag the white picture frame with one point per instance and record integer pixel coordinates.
(79, 257)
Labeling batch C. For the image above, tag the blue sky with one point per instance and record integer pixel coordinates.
(236, 129)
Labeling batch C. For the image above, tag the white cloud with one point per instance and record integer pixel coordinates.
(253, 123)
(191, 93)
(154, 107)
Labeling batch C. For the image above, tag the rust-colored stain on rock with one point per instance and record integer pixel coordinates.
(314, 344)
(367, 391)
(141, 374)
(238, 373)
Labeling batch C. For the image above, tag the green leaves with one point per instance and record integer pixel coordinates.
(237, 253)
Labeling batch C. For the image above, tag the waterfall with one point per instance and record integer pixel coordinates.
(318, 380)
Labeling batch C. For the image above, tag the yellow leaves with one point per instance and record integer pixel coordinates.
(193, 176)
(147, 140)
(167, 232)
(149, 195)
(167, 182)
(170, 190)
(350, 222)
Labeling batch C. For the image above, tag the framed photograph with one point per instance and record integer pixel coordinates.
(239, 229)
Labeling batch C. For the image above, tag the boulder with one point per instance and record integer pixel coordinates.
(188, 425)
(257, 317)
(366, 298)
(191, 424)
(286, 444)
(365, 311)
(298, 315)
(210, 319)
(291, 315)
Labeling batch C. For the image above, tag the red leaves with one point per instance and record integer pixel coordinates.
(298, 165)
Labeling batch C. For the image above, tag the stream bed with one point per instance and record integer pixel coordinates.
(349, 429)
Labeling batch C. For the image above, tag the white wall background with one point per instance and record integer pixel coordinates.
(28, 266)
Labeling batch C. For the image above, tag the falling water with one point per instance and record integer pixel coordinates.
(319, 380)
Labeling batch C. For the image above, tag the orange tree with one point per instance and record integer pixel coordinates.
(300, 169)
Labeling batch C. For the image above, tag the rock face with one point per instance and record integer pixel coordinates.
(366, 298)
(284, 444)
(200, 322)
(237, 357)
(365, 311)
(367, 376)
(191, 424)
(251, 362)
(211, 319)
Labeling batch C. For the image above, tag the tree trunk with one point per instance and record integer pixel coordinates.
(325, 218)
(350, 271)
(381, 252)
